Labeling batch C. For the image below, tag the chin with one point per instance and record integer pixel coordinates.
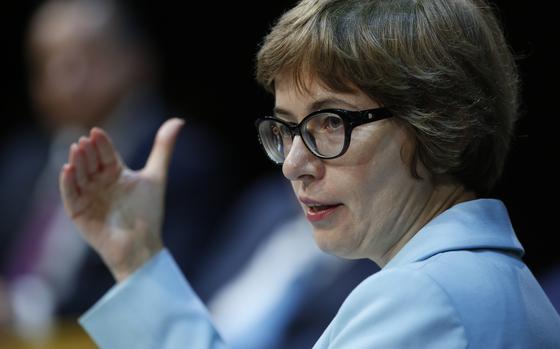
(335, 243)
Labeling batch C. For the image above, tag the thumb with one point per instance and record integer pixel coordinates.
(160, 156)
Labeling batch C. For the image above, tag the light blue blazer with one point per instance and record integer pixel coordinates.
(459, 283)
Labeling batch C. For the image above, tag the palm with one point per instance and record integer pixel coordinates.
(118, 211)
(117, 216)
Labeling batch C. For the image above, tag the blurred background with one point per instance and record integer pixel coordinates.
(196, 62)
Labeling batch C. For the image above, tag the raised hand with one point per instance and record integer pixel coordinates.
(117, 210)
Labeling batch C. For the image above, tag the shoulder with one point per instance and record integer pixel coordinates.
(456, 299)
(398, 307)
(497, 298)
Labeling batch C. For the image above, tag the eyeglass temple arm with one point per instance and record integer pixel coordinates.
(370, 115)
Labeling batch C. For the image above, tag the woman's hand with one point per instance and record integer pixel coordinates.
(118, 211)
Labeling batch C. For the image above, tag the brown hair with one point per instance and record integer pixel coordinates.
(441, 66)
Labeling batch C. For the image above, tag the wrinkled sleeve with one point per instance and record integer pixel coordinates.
(154, 308)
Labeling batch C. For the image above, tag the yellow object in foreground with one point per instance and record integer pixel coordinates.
(67, 334)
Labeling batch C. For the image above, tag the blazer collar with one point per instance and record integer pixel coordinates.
(476, 224)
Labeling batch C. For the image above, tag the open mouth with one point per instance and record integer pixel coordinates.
(316, 213)
(319, 208)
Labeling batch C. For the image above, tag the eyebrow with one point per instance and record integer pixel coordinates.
(323, 103)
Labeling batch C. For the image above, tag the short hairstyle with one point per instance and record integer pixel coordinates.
(441, 66)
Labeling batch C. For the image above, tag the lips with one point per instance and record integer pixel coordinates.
(317, 210)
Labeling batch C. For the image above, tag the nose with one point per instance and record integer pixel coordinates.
(301, 164)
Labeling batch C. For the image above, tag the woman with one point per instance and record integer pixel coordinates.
(391, 119)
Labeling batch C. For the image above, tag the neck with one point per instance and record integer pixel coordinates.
(441, 198)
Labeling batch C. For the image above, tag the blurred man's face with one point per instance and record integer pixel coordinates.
(77, 76)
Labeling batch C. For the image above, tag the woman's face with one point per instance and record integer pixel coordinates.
(368, 198)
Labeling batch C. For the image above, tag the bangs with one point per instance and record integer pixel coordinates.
(310, 49)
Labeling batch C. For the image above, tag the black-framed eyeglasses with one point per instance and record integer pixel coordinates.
(326, 133)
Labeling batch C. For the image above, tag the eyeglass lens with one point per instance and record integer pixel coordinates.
(323, 134)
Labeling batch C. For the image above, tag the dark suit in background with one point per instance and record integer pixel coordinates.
(46, 249)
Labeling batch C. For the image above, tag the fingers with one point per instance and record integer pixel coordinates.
(90, 155)
(160, 156)
(78, 161)
(69, 188)
(93, 161)
(106, 152)
(93, 166)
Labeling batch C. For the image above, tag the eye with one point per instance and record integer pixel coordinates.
(332, 123)
(280, 131)
(325, 123)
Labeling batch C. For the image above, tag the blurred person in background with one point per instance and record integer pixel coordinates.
(89, 64)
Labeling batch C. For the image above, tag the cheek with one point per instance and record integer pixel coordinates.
(375, 165)
(385, 183)
(376, 186)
